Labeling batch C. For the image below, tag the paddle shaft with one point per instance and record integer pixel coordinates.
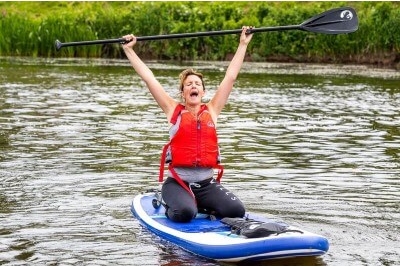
(177, 36)
(213, 33)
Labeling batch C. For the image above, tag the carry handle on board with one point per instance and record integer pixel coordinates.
(334, 21)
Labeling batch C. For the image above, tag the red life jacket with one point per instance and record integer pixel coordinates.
(195, 143)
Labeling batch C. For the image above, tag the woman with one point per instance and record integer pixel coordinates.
(193, 150)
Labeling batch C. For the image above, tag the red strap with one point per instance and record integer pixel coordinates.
(162, 162)
(176, 176)
(176, 113)
(220, 172)
(180, 181)
(173, 120)
(173, 172)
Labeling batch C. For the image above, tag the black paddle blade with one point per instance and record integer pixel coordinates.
(334, 21)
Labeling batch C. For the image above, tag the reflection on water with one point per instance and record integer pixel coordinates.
(78, 141)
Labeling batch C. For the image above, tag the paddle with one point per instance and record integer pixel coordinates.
(333, 21)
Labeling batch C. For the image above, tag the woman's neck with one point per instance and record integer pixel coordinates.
(194, 109)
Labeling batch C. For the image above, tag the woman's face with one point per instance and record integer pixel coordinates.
(193, 90)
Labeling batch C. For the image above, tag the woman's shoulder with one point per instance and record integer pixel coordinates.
(211, 110)
(175, 111)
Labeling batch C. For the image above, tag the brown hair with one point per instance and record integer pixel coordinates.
(184, 74)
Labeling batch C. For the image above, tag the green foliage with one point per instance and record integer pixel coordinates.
(30, 29)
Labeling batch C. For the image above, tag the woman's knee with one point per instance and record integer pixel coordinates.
(234, 210)
(181, 206)
(183, 214)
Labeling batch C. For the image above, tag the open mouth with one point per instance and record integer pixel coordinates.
(194, 94)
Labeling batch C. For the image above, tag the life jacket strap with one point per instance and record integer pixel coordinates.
(220, 172)
(173, 172)
(176, 113)
(180, 181)
(162, 163)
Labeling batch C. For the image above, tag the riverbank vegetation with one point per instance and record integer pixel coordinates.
(31, 28)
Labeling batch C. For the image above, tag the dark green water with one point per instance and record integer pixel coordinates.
(79, 139)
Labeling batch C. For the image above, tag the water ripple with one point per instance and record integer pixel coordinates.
(78, 141)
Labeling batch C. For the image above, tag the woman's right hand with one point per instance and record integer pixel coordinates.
(130, 41)
(246, 37)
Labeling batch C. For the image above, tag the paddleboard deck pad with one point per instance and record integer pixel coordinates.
(212, 239)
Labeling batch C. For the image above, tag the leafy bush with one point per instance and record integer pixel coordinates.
(30, 29)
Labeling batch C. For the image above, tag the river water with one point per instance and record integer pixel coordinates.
(315, 146)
